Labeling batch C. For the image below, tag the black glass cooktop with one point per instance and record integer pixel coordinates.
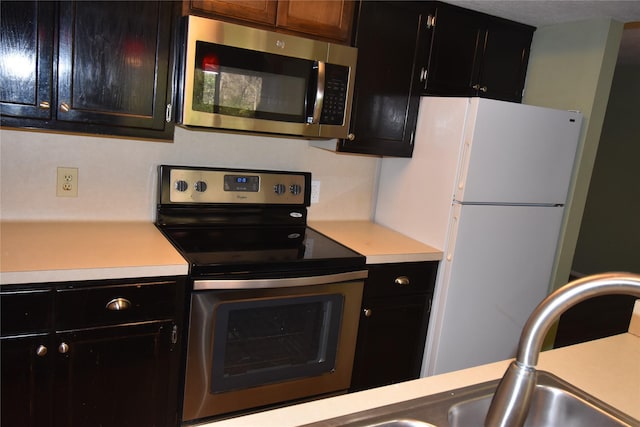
(278, 251)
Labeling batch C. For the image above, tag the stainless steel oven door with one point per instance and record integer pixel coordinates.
(264, 342)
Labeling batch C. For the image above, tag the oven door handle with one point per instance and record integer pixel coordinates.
(287, 282)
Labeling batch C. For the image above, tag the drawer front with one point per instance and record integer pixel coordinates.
(25, 311)
(108, 305)
(400, 279)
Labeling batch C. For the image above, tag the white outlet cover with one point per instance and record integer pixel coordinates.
(315, 191)
(67, 182)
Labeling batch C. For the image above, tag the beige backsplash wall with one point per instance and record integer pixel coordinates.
(117, 177)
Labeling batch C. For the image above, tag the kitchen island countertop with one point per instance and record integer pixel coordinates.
(38, 252)
(379, 244)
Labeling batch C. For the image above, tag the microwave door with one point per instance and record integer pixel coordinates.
(242, 89)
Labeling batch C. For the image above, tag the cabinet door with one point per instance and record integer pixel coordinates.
(391, 340)
(454, 58)
(26, 54)
(259, 11)
(504, 61)
(25, 387)
(113, 63)
(326, 19)
(117, 376)
(386, 95)
(25, 355)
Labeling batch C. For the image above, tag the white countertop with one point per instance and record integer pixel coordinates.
(36, 252)
(379, 244)
(57, 251)
(608, 369)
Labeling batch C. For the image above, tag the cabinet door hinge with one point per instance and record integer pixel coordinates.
(167, 113)
(431, 21)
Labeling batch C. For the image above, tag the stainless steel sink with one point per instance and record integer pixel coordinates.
(555, 403)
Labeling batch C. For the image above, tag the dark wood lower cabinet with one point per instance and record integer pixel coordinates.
(121, 370)
(393, 324)
(25, 382)
(594, 318)
(118, 376)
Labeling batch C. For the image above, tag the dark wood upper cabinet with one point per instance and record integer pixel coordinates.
(408, 49)
(109, 72)
(473, 54)
(108, 63)
(26, 55)
(505, 58)
(387, 91)
(323, 19)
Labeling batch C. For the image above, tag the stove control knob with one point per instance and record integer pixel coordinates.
(200, 186)
(279, 188)
(295, 189)
(181, 185)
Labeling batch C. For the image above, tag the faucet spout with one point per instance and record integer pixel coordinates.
(512, 399)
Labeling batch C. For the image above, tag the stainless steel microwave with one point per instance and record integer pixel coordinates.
(246, 79)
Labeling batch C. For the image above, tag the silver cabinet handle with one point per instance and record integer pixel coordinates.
(402, 281)
(367, 312)
(423, 74)
(351, 137)
(63, 348)
(118, 304)
(41, 350)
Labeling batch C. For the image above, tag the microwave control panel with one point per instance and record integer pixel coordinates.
(335, 94)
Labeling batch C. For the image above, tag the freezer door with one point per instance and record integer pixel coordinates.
(515, 153)
(497, 268)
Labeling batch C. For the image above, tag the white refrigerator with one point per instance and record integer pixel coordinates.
(487, 184)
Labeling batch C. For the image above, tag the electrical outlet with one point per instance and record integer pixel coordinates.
(315, 191)
(67, 182)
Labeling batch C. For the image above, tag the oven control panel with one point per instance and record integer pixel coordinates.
(233, 186)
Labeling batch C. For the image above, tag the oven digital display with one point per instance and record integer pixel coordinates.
(250, 183)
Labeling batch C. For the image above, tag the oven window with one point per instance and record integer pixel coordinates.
(259, 342)
(245, 83)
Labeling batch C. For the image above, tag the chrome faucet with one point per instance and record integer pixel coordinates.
(512, 399)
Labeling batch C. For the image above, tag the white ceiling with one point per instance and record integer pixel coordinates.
(548, 12)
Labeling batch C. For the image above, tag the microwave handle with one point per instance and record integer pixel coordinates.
(319, 100)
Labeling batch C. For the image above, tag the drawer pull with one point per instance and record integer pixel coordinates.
(402, 280)
(63, 348)
(41, 350)
(367, 312)
(118, 304)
